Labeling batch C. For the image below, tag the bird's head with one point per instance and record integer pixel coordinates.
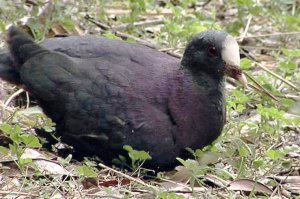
(216, 53)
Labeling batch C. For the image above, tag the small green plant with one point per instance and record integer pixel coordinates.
(196, 171)
(88, 169)
(288, 65)
(20, 141)
(137, 7)
(137, 158)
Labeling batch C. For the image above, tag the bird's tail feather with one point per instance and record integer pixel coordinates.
(22, 47)
(7, 70)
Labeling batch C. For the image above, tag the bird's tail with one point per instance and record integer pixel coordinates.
(21, 48)
(8, 71)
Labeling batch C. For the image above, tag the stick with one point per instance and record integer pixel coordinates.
(241, 38)
(277, 76)
(18, 193)
(140, 23)
(11, 98)
(107, 28)
(272, 34)
(128, 177)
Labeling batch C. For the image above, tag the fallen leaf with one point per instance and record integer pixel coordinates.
(43, 164)
(182, 174)
(248, 185)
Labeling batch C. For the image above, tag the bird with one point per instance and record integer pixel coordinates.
(103, 94)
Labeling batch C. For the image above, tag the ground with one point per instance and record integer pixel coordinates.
(258, 152)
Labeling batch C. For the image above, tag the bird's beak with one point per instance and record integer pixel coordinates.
(236, 73)
(231, 57)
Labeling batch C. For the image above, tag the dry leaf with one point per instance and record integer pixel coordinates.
(182, 174)
(44, 165)
(248, 185)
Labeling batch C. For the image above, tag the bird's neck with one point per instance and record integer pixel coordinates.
(210, 82)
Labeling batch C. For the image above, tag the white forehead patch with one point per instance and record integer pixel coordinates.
(230, 51)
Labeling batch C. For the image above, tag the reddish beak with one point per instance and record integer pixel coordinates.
(236, 73)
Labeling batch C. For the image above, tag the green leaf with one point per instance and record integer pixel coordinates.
(2, 25)
(87, 171)
(6, 128)
(166, 195)
(68, 23)
(245, 3)
(297, 121)
(191, 151)
(258, 163)
(291, 52)
(199, 153)
(128, 148)
(23, 161)
(31, 141)
(65, 161)
(4, 150)
(288, 67)
(240, 108)
(192, 165)
(275, 154)
(139, 155)
(246, 64)
(136, 155)
(243, 152)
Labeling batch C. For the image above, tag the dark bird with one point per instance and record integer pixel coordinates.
(104, 94)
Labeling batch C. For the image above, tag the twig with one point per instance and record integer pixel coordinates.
(138, 40)
(60, 187)
(294, 7)
(18, 193)
(288, 96)
(77, 184)
(27, 100)
(246, 29)
(11, 98)
(97, 23)
(139, 23)
(174, 54)
(260, 47)
(279, 184)
(127, 176)
(39, 158)
(276, 75)
(271, 34)
(107, 28)
(260, 88)
(119, 12)
(271, 72)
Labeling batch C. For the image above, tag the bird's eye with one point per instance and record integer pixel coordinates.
(212, 51)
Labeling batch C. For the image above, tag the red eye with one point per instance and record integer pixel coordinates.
(212, 51)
